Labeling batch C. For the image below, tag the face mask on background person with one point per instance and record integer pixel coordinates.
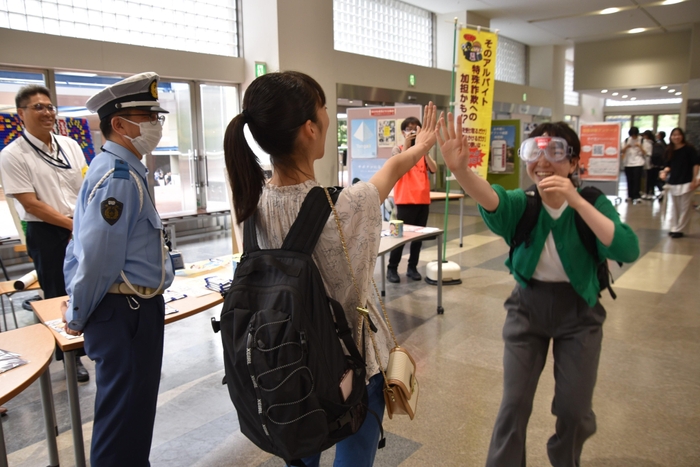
(149, 138)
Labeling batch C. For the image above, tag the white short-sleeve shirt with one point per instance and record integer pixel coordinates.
(24, 170)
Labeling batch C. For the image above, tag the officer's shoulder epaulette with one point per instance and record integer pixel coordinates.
(121, 169)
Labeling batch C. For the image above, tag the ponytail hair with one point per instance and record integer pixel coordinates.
(275, 107)
(241, 161)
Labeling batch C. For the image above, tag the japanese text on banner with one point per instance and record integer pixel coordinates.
(475, 82)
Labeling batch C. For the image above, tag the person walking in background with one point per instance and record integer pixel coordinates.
(286, 115)
(43, 172)
(634, 161)
(681, 175)
(556, 294)
(117, 268)
(656, 163)
(412, 200)
(647, 147)
(661, 138)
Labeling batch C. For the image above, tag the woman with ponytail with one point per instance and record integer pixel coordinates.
(286, 115)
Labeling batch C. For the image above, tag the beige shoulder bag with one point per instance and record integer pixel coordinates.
(400, 384)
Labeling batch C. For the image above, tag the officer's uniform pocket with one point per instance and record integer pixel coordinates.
(153, 246)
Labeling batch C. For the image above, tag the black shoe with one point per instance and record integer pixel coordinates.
(676, 234)
(392, 276)
(413, 273)
(81, 372)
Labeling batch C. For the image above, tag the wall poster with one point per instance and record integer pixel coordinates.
(600, 151)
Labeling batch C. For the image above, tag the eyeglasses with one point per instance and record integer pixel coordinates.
(41, 107)
(154, 118)
(555, 149)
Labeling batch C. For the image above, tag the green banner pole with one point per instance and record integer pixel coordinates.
(452, 110)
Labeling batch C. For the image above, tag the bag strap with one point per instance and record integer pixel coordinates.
(363, 312)
(527, 221)
(588, 238)
(306, 229)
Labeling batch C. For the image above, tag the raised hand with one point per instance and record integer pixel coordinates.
(453, 144)
(426, 133)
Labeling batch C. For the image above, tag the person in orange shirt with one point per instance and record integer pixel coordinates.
(412, 200)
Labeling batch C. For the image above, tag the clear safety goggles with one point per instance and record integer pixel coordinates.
(555, 149)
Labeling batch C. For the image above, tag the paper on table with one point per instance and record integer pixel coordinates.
(59, 326)
(26, 280)
(10, 360)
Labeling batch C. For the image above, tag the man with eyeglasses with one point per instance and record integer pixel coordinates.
(43, 172)
(117, 268)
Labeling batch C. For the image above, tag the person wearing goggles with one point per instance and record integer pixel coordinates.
(556, 292)
(555, 149)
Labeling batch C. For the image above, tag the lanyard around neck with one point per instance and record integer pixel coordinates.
(53, 161)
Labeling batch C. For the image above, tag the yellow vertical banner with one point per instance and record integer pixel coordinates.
(475, 82)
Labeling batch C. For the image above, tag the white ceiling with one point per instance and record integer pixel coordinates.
(566, 22)
(544, 22)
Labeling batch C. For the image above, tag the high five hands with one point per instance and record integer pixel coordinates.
(426, 134)
(453, 145)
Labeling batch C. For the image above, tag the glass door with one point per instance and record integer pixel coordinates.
(173, 162)
(219, 104)
(644, 122)
(667, 123)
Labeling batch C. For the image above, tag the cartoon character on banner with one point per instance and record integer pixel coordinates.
(471, 48)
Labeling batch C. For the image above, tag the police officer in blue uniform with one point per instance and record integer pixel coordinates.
(116, 269)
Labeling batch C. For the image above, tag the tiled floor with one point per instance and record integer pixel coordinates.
(646, 398)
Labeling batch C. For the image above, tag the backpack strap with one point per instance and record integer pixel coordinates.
(588, 238)
(250, 238)
(527, 221)
(312, 217)
(307, 227)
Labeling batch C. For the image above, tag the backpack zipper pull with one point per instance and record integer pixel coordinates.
(304, 347)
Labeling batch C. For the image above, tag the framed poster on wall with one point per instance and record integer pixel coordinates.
(600, 151)
(373, 134)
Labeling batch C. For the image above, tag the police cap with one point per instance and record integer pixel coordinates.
(136, 92)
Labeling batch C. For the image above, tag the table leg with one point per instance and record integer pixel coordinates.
(3, 450)
(461, 221)
(383, 277)
(2, 302)
(49, 416)
(440, 309)
(74, 405)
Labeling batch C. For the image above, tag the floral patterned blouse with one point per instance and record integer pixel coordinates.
(358, 207)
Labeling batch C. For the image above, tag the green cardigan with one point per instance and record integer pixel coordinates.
(580, 267)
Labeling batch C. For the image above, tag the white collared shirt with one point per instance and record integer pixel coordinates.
(24, 170)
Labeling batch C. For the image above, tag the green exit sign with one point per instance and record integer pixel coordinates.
(260, 69)
(412, 80)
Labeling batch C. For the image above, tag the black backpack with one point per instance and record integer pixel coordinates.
(529, 220)
(282, 336)
(657, 155)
